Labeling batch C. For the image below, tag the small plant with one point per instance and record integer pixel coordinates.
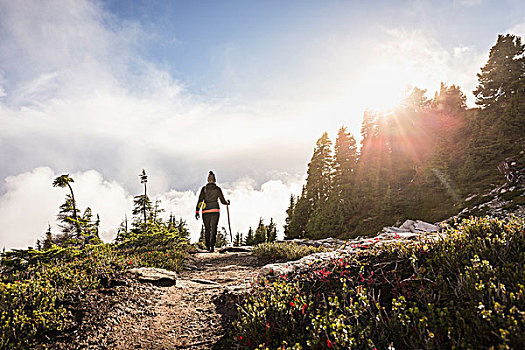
(34, 285)
(463, 291)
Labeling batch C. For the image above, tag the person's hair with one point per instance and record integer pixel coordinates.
(211, 177)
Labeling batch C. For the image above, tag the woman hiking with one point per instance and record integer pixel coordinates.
(208, 202)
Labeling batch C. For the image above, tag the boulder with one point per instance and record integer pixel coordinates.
(425, 226)
(155, 276)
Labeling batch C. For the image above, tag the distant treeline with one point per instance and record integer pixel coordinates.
(421, 159)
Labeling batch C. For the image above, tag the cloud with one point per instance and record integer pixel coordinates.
(31, 203)
(78, 96)
(425, 62)
(517, 29)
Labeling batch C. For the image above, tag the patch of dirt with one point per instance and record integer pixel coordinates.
(195, 313)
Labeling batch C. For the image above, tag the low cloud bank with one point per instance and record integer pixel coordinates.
(30, 203)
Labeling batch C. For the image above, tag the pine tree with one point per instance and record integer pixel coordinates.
(68, 222)
(142, 204)
(318, 181)
(48, 239)
(298, 221)
(157, 210)
(144, 180)
(345, 160)
(449, 101)
(63, 181)
(504, 74)
(289, 218)
(271, 231)
(250, 239)
(122, 232)
(237, 241)
(260, 233)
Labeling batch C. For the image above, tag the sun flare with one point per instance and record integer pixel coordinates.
(382, 87)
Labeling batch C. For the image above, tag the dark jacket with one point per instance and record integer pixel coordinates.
(210, 195)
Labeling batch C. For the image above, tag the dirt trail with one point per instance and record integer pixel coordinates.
(193, 314)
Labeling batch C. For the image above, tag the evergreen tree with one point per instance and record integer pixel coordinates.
(345, 160)
(122, 231)
(250, 239)
(63, 181)
(157, 210)
(180, 226)
(289, 218)
(237, 241)
(317, 189)
(144, 180)
(48, 239)
(504, 74)
(298, 221)
(85, 222)
(67, 218)
(141, 210)
(271, 231)
(260, 233)
(318, 180)
(449, 101)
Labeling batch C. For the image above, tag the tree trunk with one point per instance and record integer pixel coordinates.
(145, 204)
(77, 225)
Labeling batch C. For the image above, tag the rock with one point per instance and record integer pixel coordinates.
(155, 276)
(276, 269)
(425, 226)
(189, 267)
(279, 269)
(469, 198)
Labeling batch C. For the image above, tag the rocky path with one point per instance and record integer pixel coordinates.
(195, 313)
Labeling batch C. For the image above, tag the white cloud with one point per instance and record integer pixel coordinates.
(425, 62)
(30, 203)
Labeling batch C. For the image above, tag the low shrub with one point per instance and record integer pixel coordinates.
(284, 251)
(36, 285)
(463, 291)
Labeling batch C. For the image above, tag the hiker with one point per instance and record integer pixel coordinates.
(208, 202)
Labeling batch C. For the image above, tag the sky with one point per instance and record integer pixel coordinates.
(103, 89)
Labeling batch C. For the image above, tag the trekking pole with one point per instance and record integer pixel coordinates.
(229, 226)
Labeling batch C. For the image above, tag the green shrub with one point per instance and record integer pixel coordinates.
(463, 291)
(28, 309)
(35, 284)
(287, 251)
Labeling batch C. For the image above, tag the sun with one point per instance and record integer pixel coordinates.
(382, 86)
